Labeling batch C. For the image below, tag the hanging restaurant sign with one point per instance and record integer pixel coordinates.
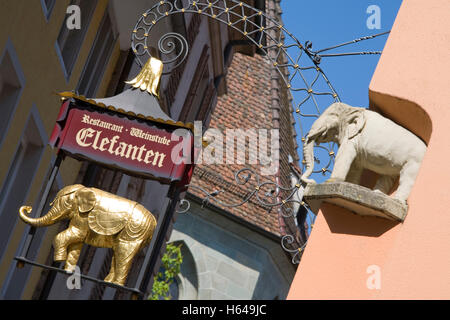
(128, 132)
(140, 148)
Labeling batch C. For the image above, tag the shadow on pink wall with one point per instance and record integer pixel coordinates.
(345, 222)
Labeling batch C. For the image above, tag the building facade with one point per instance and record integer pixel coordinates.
(375, 258)
(40, 56)
(43, 53)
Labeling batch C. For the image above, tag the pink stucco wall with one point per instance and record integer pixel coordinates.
(413, 257)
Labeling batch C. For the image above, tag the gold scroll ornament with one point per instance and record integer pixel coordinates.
(149, 77)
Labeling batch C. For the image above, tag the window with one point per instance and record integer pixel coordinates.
(185, 285)
(174, 289)
(12, 82)
(47, 6)
(98, 57)
(69, 41)
(21, 173)
(17, 279)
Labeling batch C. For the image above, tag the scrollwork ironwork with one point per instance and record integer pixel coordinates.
(272, 191)
(298, 67)
(296, 253)
(266, 194)
(266, 33)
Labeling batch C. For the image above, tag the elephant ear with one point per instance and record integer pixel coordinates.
(106, 223)
(110, 215)
(86, 200)
(356, 122)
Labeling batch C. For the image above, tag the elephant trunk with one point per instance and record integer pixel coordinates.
(308, 156)
(50, 218)
(317, 133)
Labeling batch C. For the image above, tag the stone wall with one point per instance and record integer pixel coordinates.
(230, 260)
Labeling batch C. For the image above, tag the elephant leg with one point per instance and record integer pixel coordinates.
(64, 239)
(73, 254)
(354, 174)
(124, 252)
(344, 159)
(112, 272)
(408, 176)
(384, 184)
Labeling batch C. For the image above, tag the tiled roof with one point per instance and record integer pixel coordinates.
(248, 105)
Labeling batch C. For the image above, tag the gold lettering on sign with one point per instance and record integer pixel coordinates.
(83, 135)
(102, 124)
(138, 133)
(134, 132)
(90, 138)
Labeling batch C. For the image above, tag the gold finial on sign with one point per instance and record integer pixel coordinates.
(149, 77)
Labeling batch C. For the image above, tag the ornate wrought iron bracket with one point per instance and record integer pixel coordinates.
(21, 261)
(317, 57)
(297, 66)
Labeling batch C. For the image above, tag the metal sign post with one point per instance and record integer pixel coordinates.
(29, 238)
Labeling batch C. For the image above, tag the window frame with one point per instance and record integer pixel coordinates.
(14, 167)
(114, 30)
(48, 10)
(59, 50)
(11, 52)
(15, 282)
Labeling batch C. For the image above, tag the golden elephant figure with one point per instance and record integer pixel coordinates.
(100, 219)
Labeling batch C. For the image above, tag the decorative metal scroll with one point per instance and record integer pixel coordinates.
(311, 89)
(317, 56)
(298, 68)
(267, 194)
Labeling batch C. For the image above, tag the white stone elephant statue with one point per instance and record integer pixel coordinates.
(366, 140)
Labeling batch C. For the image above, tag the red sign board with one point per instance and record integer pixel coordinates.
(137, 147)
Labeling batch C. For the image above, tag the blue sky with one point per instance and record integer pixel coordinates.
(327, 23)
(330, 22)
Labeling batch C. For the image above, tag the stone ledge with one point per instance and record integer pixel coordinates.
(355, 198)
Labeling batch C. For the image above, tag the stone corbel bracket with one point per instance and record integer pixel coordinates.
(358, 199)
